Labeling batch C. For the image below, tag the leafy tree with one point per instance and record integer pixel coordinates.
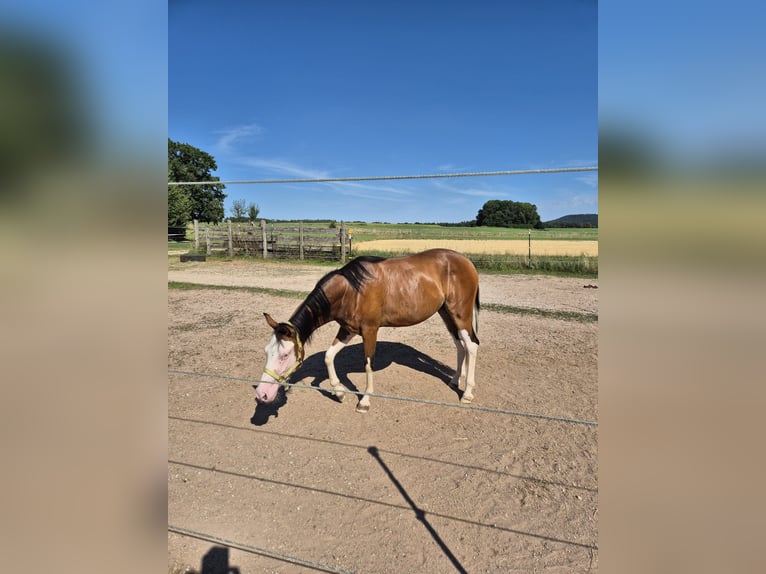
(188, 163)
(506, 213)
(252, 212)
(179, 206)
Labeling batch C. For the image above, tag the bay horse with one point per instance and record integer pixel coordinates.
(371, 292)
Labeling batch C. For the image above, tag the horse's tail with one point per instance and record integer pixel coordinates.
(475, 317)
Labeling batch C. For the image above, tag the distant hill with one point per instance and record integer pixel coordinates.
(579, 220)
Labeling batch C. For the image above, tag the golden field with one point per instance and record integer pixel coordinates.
(491, 246)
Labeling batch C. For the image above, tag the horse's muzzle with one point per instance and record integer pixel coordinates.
(266, 392)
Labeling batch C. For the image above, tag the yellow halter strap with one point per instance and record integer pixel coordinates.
(284, 377)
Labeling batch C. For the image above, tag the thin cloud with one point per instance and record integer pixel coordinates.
(589, 179)
(228, 137)
(350, 187)
(283, 167)
(479, 193)
(580, 163)
(472, 192)
(450, 168)
(291, 169)
(375, 196)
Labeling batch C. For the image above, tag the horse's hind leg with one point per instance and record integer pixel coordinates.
(341, 340)
(472, 349)
(461, 366)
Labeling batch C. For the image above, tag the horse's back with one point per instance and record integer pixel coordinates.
(433, 274)
(451, 266)
(439, 265)
(411, 288)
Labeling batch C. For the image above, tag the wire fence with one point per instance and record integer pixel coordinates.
(389, 177)
(308, 564)
(397, 398)
(317, 566)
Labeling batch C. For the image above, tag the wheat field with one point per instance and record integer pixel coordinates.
(494, 247)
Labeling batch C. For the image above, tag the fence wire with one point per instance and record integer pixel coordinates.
(390, 177)
(398, 398)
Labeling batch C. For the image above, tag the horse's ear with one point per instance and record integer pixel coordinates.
(272, 323)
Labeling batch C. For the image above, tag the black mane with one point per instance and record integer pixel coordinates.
(354, 271)
(315, 309)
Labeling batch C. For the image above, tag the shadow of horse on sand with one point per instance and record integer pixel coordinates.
(351, 360)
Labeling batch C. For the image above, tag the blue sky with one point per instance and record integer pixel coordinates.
(296, 89)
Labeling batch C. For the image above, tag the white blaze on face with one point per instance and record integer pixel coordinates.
(280, 356)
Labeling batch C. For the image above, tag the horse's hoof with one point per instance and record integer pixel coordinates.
(340, 397)
(466, 400)
(362, 408)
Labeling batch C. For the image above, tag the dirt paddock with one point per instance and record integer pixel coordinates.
(406, 487)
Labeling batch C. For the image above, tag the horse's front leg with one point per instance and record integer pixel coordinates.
(341, 340)
(370, 339)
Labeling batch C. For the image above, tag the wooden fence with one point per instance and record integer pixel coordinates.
(297, 242)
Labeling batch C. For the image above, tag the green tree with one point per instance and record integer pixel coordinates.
(506, 213)
(179, 206)
(188, 163)
(252, 212)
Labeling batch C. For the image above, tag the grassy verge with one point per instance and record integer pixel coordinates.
(559, 265)
(498, 308)
(580, 266)
(572, 266)
(547, 313)
(263, 290)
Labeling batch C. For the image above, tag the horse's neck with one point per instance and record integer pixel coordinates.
(304, 322)
(309, 316)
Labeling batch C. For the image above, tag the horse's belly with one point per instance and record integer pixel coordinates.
(408, 303)
(406, 316)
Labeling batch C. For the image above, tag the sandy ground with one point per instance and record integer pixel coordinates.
(406, 487)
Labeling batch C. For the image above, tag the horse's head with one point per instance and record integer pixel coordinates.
(284, 354)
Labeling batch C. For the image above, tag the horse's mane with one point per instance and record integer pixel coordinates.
(355, 272)
(314, 310)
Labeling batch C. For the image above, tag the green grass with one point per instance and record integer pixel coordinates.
(579, 266)
(290, 294)
(562, 265)
(362, 231)
(559, 265)
(373, 231)
(548, 313)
